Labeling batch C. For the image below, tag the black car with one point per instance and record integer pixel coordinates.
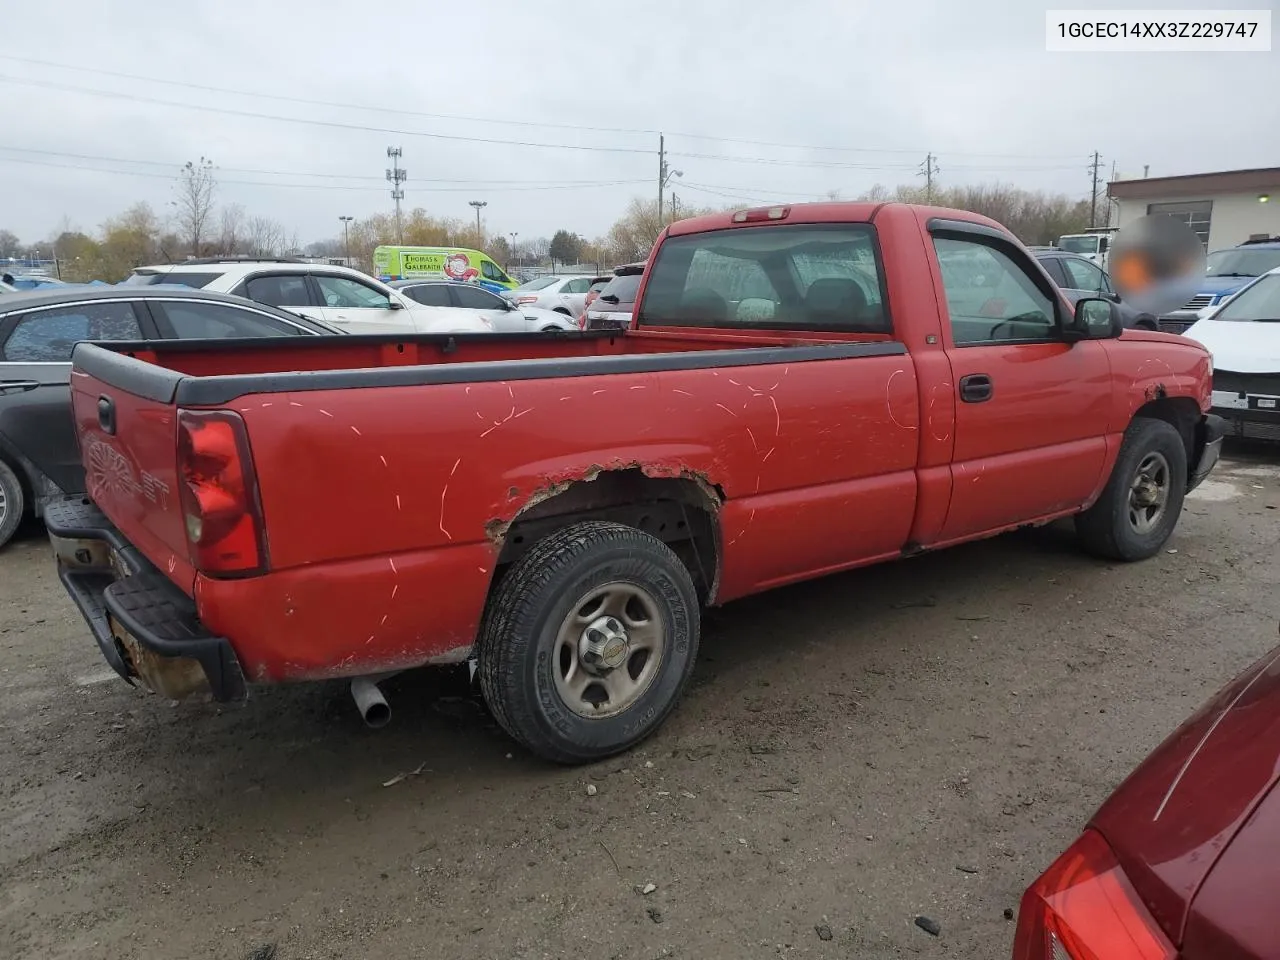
(1079, 277)
(39, 457)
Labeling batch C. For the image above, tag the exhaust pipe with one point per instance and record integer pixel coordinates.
(372, 705)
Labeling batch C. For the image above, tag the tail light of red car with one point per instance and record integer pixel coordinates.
(219, 494)
(1085, 908)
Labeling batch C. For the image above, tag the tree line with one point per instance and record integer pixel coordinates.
(197, 225)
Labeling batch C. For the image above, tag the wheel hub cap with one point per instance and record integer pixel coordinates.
(604, 645)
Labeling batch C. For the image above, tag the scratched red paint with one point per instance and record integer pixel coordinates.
(823, 464)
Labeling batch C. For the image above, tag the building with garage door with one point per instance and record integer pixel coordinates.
(1224, 209)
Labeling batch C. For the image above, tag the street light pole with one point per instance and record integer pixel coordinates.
(346, 239)
(479, 204)
(514, 234)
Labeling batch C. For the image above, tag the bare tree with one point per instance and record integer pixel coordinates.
(264, 237)
(231, 237)
(194, 205)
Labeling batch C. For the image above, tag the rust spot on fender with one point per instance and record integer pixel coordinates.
(1156, 391)
(497, 528)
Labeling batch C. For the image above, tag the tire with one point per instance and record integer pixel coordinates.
(12, 503)
(537, 625)
(1123, 525)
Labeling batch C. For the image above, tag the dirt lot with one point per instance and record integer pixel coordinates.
(915, 739)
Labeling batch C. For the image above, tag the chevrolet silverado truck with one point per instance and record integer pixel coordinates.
(802, 390)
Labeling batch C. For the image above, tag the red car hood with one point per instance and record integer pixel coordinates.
(1170, 822)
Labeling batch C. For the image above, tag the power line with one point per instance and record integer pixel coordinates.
(287, 173)
(279, 118)
(547, 124)
(329, 186)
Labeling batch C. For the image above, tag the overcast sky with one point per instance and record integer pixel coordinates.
(884, 82)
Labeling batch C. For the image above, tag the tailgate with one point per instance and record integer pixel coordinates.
(125, 419)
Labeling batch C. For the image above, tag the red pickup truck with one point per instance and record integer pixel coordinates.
(802, 390)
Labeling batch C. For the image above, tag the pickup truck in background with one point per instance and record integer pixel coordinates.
(802, 390)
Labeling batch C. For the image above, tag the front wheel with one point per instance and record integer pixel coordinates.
(1142, 501)
(588, 642)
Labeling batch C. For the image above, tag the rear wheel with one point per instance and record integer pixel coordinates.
(12, 503)
(564, 311)
(588, 641)
(1142, 501)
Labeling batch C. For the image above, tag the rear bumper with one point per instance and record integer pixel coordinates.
(146, 628)
(1214, 429)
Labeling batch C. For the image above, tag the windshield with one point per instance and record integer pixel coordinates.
(1078, 244)
(538, 284)
(1258, 301)
(1241, 263)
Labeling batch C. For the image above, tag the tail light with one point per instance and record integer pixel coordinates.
(219, 494)
(526, 299)
(1085, 908)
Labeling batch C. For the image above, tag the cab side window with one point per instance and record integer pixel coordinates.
(990, 298)
(491, 272)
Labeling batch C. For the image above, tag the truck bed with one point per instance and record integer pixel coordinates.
(389, 471)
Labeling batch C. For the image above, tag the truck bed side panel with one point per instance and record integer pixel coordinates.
(815, 460)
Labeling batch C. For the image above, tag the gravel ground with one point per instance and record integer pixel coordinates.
(920, 738)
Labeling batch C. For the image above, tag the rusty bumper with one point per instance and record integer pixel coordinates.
(146, 628)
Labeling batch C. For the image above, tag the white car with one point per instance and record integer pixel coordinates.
(5, 288)
(1244, 337)
(341, 297)
(506, 316)
(567, 295)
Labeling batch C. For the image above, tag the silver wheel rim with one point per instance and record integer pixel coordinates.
(608, 650)
(1149, 493)
(4, 505)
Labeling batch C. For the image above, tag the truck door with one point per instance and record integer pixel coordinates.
(1032, 411)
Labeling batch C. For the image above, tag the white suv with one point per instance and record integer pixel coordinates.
(341, 297)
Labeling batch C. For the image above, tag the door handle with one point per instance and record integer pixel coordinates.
(107, 415)
(975, 388)
(18, 386)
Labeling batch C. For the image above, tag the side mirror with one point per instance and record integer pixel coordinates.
(394, 304)
(509, 305)
(1095, 318)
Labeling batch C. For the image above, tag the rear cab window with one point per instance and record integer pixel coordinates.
(813, 277)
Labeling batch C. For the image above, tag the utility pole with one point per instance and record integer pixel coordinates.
(511, 259)
(1093, 196)
(675, 206)
(346, 239)
(665, 173)
(479, 205)
(1110, 203)
(662, 173)
(928, 170)
(397, 176)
